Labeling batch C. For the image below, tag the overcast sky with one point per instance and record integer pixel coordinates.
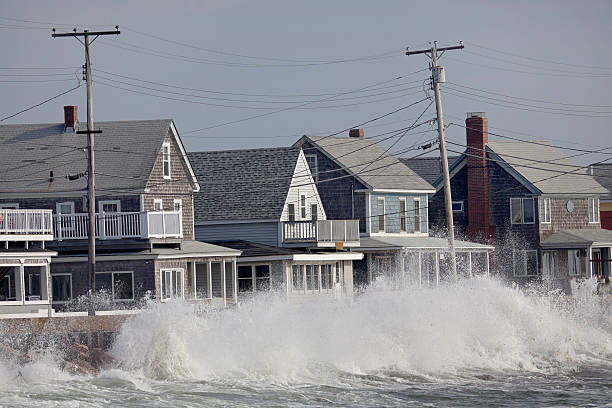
(260, 57)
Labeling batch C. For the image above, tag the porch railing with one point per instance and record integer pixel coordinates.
(145, 224)
(36, 224)
(321, 232)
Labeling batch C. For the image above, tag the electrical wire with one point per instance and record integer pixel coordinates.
(40, 103)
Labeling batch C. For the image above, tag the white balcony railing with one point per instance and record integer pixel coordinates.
(321, 232)
(28, 225)
(145, 224)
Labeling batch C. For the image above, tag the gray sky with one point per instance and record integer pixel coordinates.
(304, 37)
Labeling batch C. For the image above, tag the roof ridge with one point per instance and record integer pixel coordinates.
(246, 150)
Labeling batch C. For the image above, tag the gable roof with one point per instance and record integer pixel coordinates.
(545, 167)
(369, 162)
(602, 172)
(247, 184)
(125, 153)
(426, 167)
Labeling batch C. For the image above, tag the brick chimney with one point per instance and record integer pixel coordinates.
(70, 118)
(356, 133)
(477, 128)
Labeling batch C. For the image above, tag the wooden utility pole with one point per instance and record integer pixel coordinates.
(91, 175)
(437, 78)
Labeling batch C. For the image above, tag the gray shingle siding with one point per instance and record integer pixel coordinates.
(392, 216)
(261, 232)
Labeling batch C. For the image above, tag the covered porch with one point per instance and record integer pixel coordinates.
(422, 261)
(574, 255)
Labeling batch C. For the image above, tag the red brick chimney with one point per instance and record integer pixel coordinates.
(477, 128)
(356, 133)
(70, 117)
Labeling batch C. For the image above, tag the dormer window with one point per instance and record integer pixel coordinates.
(594, 210)
(166, 159)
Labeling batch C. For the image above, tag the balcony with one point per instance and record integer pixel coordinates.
(143, 225)
(26, 225)
(323, 233)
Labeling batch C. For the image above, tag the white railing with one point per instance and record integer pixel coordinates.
(321, 231)
(38, 223)
(145, 224)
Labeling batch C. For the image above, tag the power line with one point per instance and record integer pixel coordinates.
(40, 103)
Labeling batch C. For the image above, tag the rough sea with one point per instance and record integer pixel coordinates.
(472, 343)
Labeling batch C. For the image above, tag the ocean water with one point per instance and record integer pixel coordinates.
(472, 343)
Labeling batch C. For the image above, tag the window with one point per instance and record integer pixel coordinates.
(545, 210)
(576, 262)
(402, 215)
(172, 284)
(158, 204)
(525, 262)
(65, 223)
(61, 285)
(314, 213)
(9, 206)
(327, 277)
(109, 206)
(522, 210)
(291, 211)
(166, 159)
(119, 285)
(303, 206)
(297, 280)
(262, 277)
(381, 214)
(417, 215)
(178, 205)
(65, 208)
(593, 210)
(457, 206)
(245, 278)
(311, 159)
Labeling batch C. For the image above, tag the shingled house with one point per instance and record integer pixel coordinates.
(539, 208)
(144, 209)
(357, 178)
(264, 202)
(602, 172)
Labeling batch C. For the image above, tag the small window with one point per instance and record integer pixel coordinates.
(303, 206)
(65, 207)
(291, 211)
(178, 205)
(593, 210)
(402, 215)
(457, 206)
(158, 204)
(314, 212)
(522, 210)
(417, 215)
(166, 159)
(245, 278)
(545, 210)
(381, 215)
(311, 159)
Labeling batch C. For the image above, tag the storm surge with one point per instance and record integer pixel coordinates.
(471, 326)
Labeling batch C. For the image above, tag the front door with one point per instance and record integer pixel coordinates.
(110, 221)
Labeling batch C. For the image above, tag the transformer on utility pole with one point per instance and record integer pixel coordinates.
(438, 77)
(91, 192)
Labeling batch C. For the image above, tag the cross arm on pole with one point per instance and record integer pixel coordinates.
(84, 33)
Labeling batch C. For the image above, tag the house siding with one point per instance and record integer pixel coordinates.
(261, 232)
(129, 203)
(437, 210)
(561, 219)
(301, 185)
(392, 216)
(177, 187)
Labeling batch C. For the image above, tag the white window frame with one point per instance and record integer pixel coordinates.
(112, 273)
(303, 209)
(161, 204)
(254, 277)
(59, 302)
(460, 210)
(161, 283)
(166, 159)
(180, 205)
(545, 213)
(593, 208)
(102, 202)
(378, 214)
(525, 263)
(9, 206)
(403, 215)
(569, 269)
(415, 214)
(315, 171)
(522, 201)
(58, 205)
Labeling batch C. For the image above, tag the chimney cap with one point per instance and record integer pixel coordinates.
(476, 115)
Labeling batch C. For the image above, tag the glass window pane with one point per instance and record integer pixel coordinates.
(123, 286)
(515, 210)
(528, 210)
(104, 283)
(202, 280)
(297, 277)
(177, 283)
(532, 263)
(61, 288)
